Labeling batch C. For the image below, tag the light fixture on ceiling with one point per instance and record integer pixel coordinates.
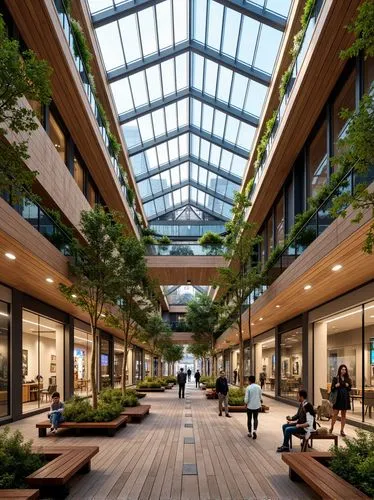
(372, 316)
(49, 280)
(74, 296)
(252, 324)
(277, 306)
(189, 282)
(261, 319)
(10, 256)
(307, 287)
(337, 267)
(3, 314)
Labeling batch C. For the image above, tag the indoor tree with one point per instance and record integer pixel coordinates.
(129, 295)
(21, 75)
(94, 273)
(157, 334)
(243, 274)
(202, 319)
(172, 354)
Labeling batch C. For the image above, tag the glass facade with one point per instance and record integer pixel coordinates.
(265, 370)
(291, 365)
(82, 362)
(317, 160)
(42, 360)
(347, 338)
(4, 358)
(105, 363)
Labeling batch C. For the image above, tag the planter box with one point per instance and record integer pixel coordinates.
(140, 395)
(110, 427)
(241, 408)
(151, 389)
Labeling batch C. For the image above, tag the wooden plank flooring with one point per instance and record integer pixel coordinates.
(151, 460)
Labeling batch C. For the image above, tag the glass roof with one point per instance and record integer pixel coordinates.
(189, 79)
(183, 294)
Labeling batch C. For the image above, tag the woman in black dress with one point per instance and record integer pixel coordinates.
(342, 385)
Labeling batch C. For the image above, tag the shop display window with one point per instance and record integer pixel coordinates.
(138, 365)
(42, 360)
(265, 364)
(105, 379)
(291, 363)
(4, 359)
(82, 362)
(118, 363)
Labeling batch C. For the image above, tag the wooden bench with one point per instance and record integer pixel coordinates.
(151, 389)
(327, 484)
(64, 463)
(110, 427)
(136, 413)
(313, 436)
(20, 494)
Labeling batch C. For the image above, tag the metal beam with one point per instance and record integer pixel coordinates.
(117, 12)
(190, 222)
(192, 204)
(192, 183)
(236, 66)
(233, 111)
(198, 48)
(147, 61)
(193, 130)
(193, 159)
(260, 14)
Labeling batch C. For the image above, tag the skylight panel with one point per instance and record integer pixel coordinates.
(139, 88)
(195, 143)
(224, 83)
(149, 208)
(173, 148)
(184, 170)
(194, 172)
(160, 204)
(184, 194)
(171, 116)
(153, 75)
(177, 197)
(193, 194)
(221, 186)
(144, 188)
(218, 206)
(247, 42)
(122, 95)
(226, 159)
(130, 38)
(215, 13)
(280, 6)
(231, 32)
(204, 149)
(165, 179)
(164, 23)
(180, 20)
(212, 180)
(168, 77)
(245, 136)
(181, 66)
(97, 5)
(139, 164)
(219, 123)
(201, 197)
(182, 113)
(183, 144)
(131, 133)
(227, 210)
(175, 176)
(211, 71)
(156, 185)
(147, 30)
(207, 118)
(239, 87)
(196, 112)
(232, 128)
(267, 49)
(162, 153)
(168, 201)
(209, 200)
(203, 175)
(110, 46)
(152, 158)
(231, 189)
(158, 118)
(255, 98)
(199, 20)
(238, 166)
(198, 71)
(215, 155)
(145, 128)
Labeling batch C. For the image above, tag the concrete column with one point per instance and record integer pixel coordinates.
(320, 359)
(258, 361)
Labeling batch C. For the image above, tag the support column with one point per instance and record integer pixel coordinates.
(320, 359)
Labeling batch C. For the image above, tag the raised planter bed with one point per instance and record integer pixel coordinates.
(309, 467)
(20, 494)
(236, 408)
(141, 395)
(151, 389)
(110, 427)
(136, 413)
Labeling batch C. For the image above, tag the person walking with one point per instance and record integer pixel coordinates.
(181, 379)
(262, 379)
(252, 399)
(235, 376)
(197, 378)
(339, 397)
(189, 375)
(222, 389)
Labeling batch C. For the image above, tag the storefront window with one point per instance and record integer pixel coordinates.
(235, 363)
(104, 363)
(42, 360)
(317, 160)
(82, 362)
(291, 363)
(4, 359)
(57, 137)
(247, 364)
(138, 365)
(368, 399)
(147, 365)
(265, 364)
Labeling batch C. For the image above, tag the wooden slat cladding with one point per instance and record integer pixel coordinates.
(341, 243)
(174, 270)
(320, 71)
(40, 27)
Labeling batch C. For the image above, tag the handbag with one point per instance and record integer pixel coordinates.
(333, 397)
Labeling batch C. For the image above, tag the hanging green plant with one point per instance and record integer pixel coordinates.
(80, 44)
(149, 240)
(164, 240)
(363, 28)
(130, 195)
(249, 186)
(261, 148)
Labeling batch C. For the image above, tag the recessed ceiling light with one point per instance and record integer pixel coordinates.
(74, 296)
(10, 256)
(277, 306)
(337, 267)
(3, 314)
(261, 319)
(252, 324)
(307, 287)
(102, 315)
(372, 316)
(189, 282)
(49, 280)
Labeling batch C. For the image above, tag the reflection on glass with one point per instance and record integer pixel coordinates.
(57, 137)
(291, 363)
(368, 399)
(104, 363)
(42, 360)
(344, 100)
(118, 363)
(317, 160)
(4, 359)
(368, 74)
(279, 222)
(265, 365)
(82, 362)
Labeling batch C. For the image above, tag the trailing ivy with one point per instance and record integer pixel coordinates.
(249, 186)
(164, 240)
(261, 148)
(363, 28)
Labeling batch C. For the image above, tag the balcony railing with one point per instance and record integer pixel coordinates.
(74, 50)
(35, 215)
(283, 104)
(184, 250)
(178, 326)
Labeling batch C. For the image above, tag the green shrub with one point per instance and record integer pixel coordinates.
(115, 397)
(355, 462)
(16, 459)
(209, 382)
(236, 396)
(170, 379)
(80, 410)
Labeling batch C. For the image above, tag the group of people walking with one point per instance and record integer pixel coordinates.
(303, 422)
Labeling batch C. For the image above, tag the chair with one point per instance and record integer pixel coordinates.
(48, 392)
(368, 402)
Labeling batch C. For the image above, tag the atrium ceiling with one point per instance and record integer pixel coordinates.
(189, 79)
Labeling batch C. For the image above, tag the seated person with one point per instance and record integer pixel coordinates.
(55, 414)
(301, 423)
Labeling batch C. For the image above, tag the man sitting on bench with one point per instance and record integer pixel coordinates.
(301, 423)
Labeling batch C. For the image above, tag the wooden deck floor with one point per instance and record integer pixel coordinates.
(162, 458)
